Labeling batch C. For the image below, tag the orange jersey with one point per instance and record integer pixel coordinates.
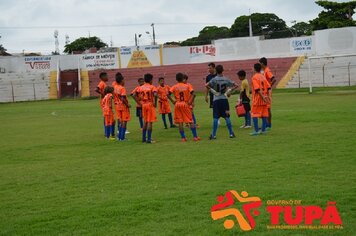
(134, 92)
(147, 92)
(162, 92)
(101, 87)
(106, 104)
(182, 92)
(259, 83)
(119, 93)
(268, 75)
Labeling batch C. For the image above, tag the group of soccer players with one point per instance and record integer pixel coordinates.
(148, 96)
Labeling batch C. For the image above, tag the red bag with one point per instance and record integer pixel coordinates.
(240, 110)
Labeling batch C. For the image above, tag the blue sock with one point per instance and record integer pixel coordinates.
(144, 135)
(194, 131)
(255, 123)
(248, 118)
(264, 124)
(194, 120)
(112, 129)
(104, 128)
(141, 122)
(164, 120)
(215, 126)
(182, 135)
(123, 131)
(170, 119)
(269, 125)
(229, 125)
(149, 134)
(107, 131)
(118, 125)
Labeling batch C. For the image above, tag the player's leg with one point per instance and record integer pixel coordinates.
(181, 132)
(170, 118)
(149, 132)
(164, 121)
(264, 116)
(269, 120)
(216, 116)
(255, 113)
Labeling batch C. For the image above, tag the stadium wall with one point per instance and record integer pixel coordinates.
(324, 42)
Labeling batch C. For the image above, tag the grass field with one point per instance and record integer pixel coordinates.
(58, 175)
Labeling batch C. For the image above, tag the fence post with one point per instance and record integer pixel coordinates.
(299, 77)
(348, 69)
(34, 91)
(12, 92)
(323, 75)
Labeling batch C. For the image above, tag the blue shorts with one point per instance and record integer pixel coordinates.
(221, 109)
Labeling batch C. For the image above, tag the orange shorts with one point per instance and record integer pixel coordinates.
(109, 119)
(164, 107)
(259, 111)
(182, 113)
(149, 113)
(123, 115)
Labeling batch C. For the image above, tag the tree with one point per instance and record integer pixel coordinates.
(335, 15)
(83, 44)
(301, 28)
(2, 49)
(267, 24)
(206, 35)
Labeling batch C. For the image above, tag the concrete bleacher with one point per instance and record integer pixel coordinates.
(325, 72)
(16, 87)
(196, 72)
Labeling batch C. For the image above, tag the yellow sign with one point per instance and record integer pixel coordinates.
(138, 60)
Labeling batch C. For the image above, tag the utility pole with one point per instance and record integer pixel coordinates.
(153, 33)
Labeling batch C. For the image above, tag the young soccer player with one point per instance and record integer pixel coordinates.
(138, 104)
(260, 99)
(149, 103)
(245, 98)
(184, 97)
(185, 80)
(100, 90)
(107, 112)
(210, 76)
(163, 104)
(219, 86)
(271, 80)
(122, 106)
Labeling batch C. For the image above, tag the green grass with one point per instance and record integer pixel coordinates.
(58, 175)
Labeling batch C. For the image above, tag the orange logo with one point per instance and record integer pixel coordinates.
(224, 209)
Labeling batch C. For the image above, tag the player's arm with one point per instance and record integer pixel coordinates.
(169, 96)
(264, 98)
(209, 88)
(135, 97)
(125, 101)
(155, 96)
(192, 98)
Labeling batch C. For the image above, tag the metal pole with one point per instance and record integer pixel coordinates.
(309, 76)
(299, 77)
(323, 75)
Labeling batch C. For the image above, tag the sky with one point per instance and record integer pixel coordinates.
(29, 25)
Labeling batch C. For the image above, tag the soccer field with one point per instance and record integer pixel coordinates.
(58, 175)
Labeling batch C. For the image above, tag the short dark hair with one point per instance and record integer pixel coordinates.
(108, 89)
(103, 74)
(257, 67)
(179, 77)
(263, 61)
(212, 64)
(185, 76)
(219, 69)
(160, 78)
(148, 77)
(241, 73)
(139, 79)
(119, 77)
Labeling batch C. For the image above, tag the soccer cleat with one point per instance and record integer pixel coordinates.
(263, 132)
(242, 126)
(232, 135)
(247, 126)
(112, 138)
(165, 127)
(268, 128)
(173, 126)
(184, 140)
(196, 139)
(254, 133)
(211, 137)
(127, 132)
(150, 141)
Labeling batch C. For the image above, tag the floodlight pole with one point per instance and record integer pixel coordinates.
(153, 33)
